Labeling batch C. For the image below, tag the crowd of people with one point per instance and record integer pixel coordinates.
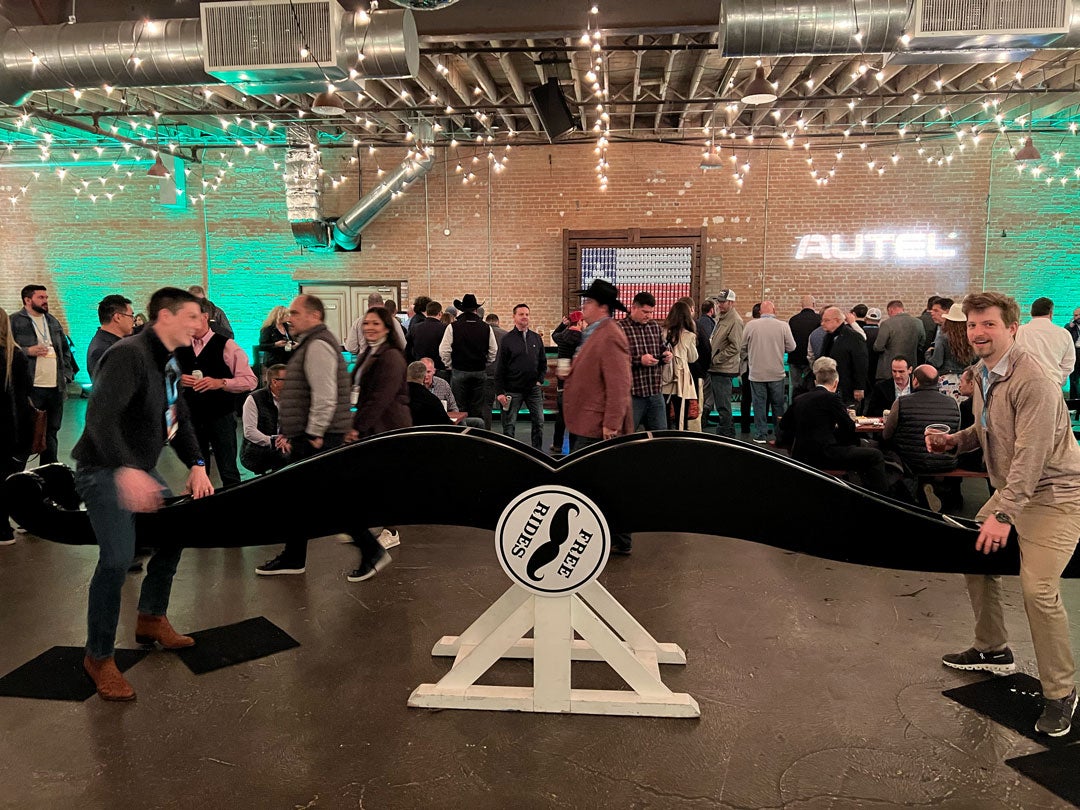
(962, 380)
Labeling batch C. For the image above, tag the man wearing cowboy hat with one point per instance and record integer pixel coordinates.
(468, 345)
(596, 395)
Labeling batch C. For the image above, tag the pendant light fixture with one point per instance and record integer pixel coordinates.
(759, 91)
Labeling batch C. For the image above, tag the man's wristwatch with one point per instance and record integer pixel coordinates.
(1003, 517)
(199, 463)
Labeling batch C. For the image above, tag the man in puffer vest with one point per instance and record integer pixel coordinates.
(905, 427)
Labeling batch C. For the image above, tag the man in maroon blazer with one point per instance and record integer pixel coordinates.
(596, 395)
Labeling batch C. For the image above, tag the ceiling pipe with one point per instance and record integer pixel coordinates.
(346, 234)
(783, 27)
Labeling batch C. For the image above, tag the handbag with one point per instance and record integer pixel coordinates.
(41, 424)
(693, 409)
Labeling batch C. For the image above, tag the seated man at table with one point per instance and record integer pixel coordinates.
(424, 405)
(905, 430)
(820, 433)
(886, 392)
(440, 390)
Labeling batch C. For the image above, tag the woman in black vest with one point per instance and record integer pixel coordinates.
(381, 394)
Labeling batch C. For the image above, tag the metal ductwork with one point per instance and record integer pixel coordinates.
(949, 31)
(779, 28)
(348, 227)
(303, 194)
(137, 53)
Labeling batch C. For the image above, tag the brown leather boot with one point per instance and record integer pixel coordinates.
(110, 682)
(149, 629)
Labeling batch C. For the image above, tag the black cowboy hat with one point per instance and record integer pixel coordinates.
(467, 303)
(603, 292)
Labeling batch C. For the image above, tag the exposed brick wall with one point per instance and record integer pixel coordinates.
(505, 237)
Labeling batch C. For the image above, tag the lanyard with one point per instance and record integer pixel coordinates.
(172, 393)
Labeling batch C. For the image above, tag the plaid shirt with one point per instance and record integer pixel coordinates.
(644, 339)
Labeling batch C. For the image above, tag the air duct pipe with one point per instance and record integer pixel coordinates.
(162, 53)
(348, 227)
(778, 28)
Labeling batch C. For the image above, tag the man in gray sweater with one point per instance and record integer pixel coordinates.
(764, 343)
(899, 334)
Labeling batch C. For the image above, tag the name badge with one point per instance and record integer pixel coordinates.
(50, 351)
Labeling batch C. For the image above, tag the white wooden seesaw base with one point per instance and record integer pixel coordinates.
(608, 633)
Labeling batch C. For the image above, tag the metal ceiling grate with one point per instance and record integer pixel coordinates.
(1004, 16)
(247, 34)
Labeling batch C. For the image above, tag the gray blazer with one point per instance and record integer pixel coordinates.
(900, 334)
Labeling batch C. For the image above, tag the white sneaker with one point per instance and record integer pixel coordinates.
(10, 542)
(389, 539)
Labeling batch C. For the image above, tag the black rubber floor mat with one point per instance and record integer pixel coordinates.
(232, 644)
(1058, 771)
(58, 674)
(1014, 701)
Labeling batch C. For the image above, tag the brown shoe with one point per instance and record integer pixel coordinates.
(110, 682)
(150, 629)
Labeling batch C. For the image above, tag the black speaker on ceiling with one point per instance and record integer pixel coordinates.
(554, 112)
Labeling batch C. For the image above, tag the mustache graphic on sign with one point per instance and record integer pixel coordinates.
(558, 532)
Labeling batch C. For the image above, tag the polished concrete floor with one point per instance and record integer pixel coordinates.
(819, 686)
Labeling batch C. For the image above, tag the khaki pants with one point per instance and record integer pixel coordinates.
(1047, 535)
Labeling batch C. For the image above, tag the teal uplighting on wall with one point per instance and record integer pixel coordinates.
(1033, 230)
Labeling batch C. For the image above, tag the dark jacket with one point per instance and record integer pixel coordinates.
(815, 421)
(566, 340)
(16, 420)
(424, 339)
(219, 324)
(882, 396)
(383, 400)
(802, 323)
(294, 401)
(904, 430)
(101, 343)
(271, 354)
(25, 334)
(700, 367)
(521, 362)
(871, 330)
(125, 417)
(425, 407)
(848, 348)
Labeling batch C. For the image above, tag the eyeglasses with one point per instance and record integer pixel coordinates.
(277, 379)
(127, 315)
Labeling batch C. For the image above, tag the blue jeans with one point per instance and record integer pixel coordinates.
(468, 388)
(764, 394)
(649, 412)
(721, 392)
(534, 401)
(114, 528)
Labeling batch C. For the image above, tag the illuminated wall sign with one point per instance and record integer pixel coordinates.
(900, 245)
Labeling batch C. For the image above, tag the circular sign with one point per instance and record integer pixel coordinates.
(552, 540)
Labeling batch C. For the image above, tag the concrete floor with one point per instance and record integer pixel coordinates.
(819, 685)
